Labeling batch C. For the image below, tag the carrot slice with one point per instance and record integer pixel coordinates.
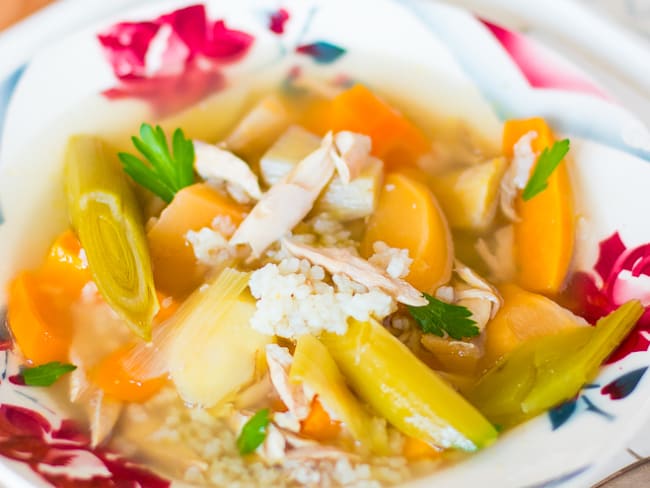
(409, 217)
(176, 270)
(395, 140)
(318, 425)
(545, 233)
(112, 376)
(66, 268)
(417, 450)
(39, 301)
(524, 316)
(40, 323)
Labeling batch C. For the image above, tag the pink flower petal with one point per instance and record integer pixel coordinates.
(277, 21)
(169, 94)
(125, 45)
(542, 67)
(610, 250)
(64, 457)
(227, 45)
(190, 24)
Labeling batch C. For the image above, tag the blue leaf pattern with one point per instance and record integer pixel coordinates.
(623, 385)
(322, 52)
(560, 414)
(564, 412)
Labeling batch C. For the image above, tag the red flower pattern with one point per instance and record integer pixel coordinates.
(174, 60)
(277, 21)
(27, 437)
(621, 275)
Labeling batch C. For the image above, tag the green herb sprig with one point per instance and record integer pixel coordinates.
(546, 164)
(254, 432)
(46, 374)
(439, 318)
(165, 172)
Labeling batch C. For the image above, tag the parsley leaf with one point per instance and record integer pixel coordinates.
(546, 164)
(254, 432)
(164, 173)
(46, 374)
(439, 317)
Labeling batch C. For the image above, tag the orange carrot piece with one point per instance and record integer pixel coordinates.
(114, 378)
(318, 425)
(417, 450)
(175, 268)
(168, 307)
(395, 140)
(40, 324)
(545, 233)
(408, 217)
(66, 267)
(523, 316)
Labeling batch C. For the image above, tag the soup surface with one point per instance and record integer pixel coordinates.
(307, 284)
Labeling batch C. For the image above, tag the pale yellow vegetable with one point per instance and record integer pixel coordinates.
(285, 153)
(314, 367)
(403, 390)
(108, 221)
(469, 196)
(214, 352)
(356, 199)
(257, 130)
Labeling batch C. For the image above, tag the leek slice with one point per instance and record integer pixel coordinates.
(544, 372)
(409, 395)
(106, 216)
(314, 367)
(214, 352)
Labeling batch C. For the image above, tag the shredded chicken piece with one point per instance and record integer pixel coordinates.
(281, 444)
(479, 288)
(295, 398)
(517, 174)
(254, 394)
(499, 260)
(288, 201)
(342, 261)
(318, 452)
(274, 447)
(102, 412)
(213, 162)
(351, 155)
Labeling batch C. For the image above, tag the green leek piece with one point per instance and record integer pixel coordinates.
(406, 392)
(215, 351)
(354, 200)
(106, 216)
(543, 373)
(314, 367)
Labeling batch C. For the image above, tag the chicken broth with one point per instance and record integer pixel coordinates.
(303, 282)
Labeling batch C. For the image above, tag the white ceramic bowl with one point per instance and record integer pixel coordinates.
(448, 64)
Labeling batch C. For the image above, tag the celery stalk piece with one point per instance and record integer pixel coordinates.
(106, 216)
(564, 379)
(499, 394)
(214, 351)
(314, 367)
(402, 389)
(542, 373)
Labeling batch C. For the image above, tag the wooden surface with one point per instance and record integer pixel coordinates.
(14, 10)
